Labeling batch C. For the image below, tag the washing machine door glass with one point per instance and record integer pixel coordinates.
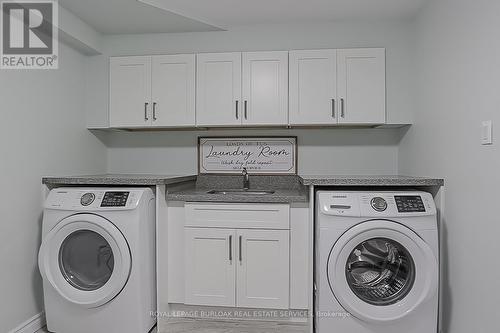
(380, 271)
(86, 260)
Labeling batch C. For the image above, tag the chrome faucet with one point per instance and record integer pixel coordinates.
(246, 179)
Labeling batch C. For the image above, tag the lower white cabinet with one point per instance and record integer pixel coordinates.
(237, 267)
(262, 275)
(210, 266)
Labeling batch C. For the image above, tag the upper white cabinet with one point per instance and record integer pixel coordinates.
(313, 87)
(218, 82)
(173, 94)
(152, 91)
(236, 88)
(361, 86)
(265, 88)
(232, 89)
(130, 91)
(329, 87)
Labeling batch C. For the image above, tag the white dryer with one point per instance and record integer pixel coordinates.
(376, 262)
(97, 260)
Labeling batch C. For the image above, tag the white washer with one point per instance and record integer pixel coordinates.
(97, 260)
(376, 262)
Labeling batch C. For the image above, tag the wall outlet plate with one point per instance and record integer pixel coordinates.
(486, 133)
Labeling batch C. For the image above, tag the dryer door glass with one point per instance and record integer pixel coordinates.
(86, 260)
(380, 271)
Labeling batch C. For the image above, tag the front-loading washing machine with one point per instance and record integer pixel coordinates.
(97, 260)
(377, 258)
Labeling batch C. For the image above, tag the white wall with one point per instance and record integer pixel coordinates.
(458, 84)
(326, 151)
(42, 133)
(341, 151)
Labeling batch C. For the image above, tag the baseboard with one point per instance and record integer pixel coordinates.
(31, 325)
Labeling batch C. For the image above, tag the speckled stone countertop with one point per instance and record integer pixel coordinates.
(119, 179)
(194, 188)
(286, 189)
(333, 180)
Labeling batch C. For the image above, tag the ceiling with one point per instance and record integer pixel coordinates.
(150, 16)
(130, 17)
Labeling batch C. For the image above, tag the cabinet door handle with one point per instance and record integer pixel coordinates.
(246, 110)
(240, 254)
(154, 111)
(342, 112)
(230, 247)
(237, 115)
(146, 111)
(333, 108)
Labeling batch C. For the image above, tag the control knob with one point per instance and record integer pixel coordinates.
(87, 199)
(379, 204)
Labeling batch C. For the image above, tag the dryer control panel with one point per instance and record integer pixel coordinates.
(376, 204)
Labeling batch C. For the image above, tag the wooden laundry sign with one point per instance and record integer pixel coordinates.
(266, 155)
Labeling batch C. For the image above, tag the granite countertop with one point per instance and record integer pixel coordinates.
(333, 180)
(119, 179)
(290, 188)
(286, 189)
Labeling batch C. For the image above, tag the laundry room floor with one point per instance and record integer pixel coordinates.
(44, 330)
(231, 326)
(216, 326)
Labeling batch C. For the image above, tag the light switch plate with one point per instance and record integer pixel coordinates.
(486, 133)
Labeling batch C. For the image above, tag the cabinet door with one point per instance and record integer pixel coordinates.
(361, 86)
(210, 266)
(263, 277)
(130, 91)
(173, 95)
(265, 88)
(313, 87)
(218, 93)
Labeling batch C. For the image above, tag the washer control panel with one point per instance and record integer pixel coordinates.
(94, 199)
(378, 204)
(409, 203)
(115, 199)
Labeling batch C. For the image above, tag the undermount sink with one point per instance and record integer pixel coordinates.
(238, 192)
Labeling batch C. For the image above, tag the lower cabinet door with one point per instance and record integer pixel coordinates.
(263, 273)
(210, 266)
